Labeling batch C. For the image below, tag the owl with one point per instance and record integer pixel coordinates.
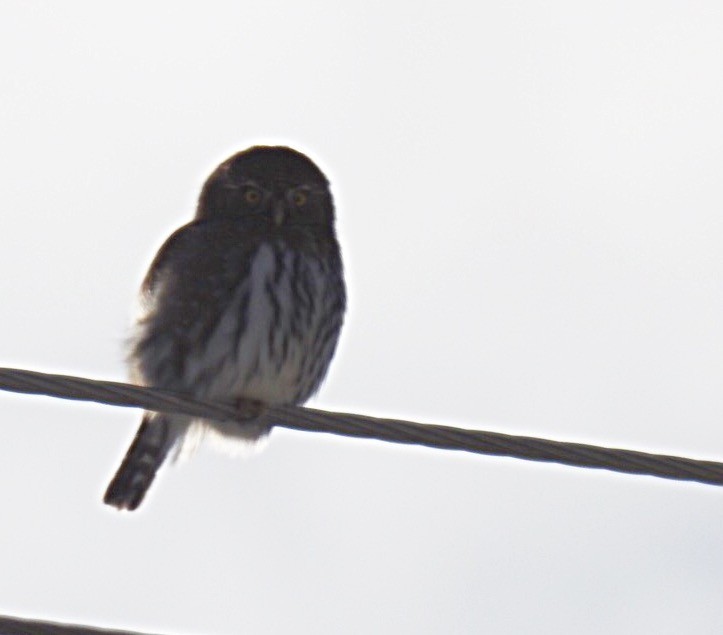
(245, 302)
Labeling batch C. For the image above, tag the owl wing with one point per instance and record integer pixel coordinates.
(202, 253)
(175, 244)
(191, 282)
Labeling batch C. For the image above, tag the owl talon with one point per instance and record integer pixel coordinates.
(249, 408)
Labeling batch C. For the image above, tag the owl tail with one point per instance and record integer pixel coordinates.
(149, 449)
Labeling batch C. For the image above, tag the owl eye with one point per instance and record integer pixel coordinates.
(299, 197)
(252, 196)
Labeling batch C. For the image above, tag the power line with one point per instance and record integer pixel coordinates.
(17, 626)
(353, 425)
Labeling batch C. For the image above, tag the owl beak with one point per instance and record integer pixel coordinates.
(279, 213)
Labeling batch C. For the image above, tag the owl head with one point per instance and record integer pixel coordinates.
(273, 184)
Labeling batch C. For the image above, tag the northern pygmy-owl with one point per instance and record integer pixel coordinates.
(244, 302)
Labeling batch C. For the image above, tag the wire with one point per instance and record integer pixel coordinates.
(353, 425)
(17, 626)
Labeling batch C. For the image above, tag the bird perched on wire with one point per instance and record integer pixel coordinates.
(243, 303)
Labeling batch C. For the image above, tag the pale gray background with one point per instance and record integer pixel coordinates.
(529, 199)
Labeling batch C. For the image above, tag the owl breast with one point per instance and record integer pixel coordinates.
(276, 336)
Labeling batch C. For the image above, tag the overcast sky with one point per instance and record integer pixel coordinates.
(529, 201)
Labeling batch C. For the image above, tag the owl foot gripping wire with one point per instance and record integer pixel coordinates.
(245, 302)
